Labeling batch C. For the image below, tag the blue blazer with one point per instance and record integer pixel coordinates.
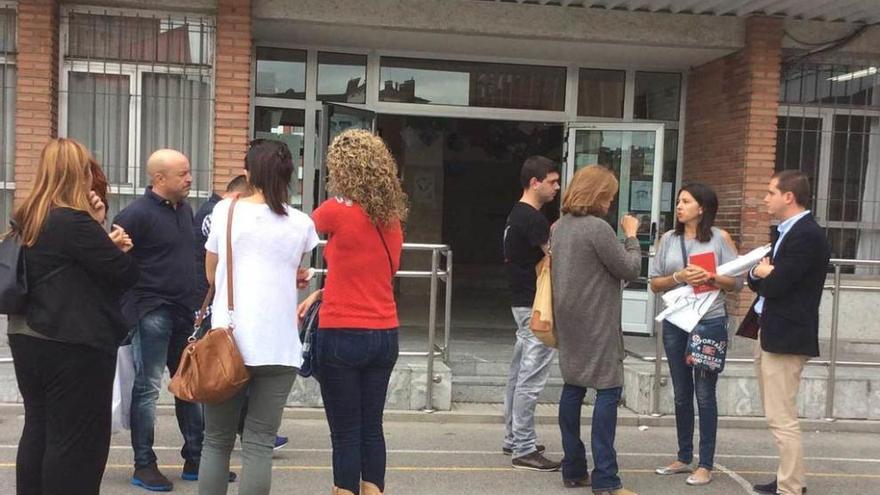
(790, 319)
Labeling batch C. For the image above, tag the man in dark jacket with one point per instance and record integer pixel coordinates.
(160, 308)
(789, 286)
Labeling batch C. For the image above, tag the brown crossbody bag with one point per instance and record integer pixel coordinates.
(211, 369)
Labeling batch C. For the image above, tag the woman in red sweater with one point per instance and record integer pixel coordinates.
(357, 340)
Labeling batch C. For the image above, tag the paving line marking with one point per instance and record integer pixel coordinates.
(735, 477)
(466, 469)
(496, 452)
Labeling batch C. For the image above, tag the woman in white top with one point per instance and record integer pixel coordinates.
(269, 239)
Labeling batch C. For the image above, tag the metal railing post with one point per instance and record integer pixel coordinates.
(432, 327)
(447, 319)
(831, 383)
(658, 361)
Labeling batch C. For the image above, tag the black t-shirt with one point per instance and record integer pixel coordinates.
(527, 229)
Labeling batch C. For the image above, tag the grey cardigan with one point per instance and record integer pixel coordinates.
(588, 266)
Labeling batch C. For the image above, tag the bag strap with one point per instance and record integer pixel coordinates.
(382, 238)
(684, 253)
(203, 311)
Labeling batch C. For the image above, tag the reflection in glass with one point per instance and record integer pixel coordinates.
(342, 77)
(7, 31)
(600, 93)
(630, 154)
(474, 84)
(281, 73)
(286, 125)
(658, 95)
(142, 39)
(830, 84)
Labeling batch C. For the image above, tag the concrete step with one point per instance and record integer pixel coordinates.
(479, 389)
(406, 389)
(857, 393)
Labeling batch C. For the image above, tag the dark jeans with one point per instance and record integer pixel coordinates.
(602, 432)
(685, 384)
(355, 368)
(157, 343)
(67, 391)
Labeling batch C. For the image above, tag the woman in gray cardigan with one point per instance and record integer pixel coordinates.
(589, 264)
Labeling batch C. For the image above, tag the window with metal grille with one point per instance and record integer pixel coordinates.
(133, 82)
(7, 111)
(829, 128)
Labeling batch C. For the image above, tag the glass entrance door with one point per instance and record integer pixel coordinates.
(635, 153)
(332, 120)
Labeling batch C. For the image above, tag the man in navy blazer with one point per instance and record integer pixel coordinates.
(789, 285)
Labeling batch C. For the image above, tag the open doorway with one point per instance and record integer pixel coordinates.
(462, 178)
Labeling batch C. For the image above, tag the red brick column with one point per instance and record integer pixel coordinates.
(730, 133)
(36, 111)
(232, 89)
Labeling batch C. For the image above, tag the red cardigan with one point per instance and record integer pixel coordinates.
(358, 291)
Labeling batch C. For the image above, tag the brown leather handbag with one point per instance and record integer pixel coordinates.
(211, 369)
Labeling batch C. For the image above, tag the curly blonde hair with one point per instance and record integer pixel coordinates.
(361, 169)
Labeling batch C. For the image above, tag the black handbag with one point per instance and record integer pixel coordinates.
(308, 335)
(13, 276)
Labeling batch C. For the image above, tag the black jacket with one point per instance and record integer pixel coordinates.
(792, 292)
(79, 304)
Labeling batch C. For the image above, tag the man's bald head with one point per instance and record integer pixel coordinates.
(160, 161)
(169, 174)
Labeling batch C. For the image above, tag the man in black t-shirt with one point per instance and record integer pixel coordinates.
(526, 238)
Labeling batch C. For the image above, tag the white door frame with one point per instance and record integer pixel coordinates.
(633, 299)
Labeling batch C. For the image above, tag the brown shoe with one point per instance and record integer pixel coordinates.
(340, 491)
(619, 491)
(368, 488)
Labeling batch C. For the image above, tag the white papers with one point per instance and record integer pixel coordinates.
(684, 309)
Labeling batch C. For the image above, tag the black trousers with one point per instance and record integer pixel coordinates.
(67, 391)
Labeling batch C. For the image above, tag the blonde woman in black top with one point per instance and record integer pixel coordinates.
(65, 357)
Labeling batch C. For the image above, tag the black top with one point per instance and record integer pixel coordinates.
(79, 304)
(790, 319)
(527, 229)
(163, 247)
(201, 229)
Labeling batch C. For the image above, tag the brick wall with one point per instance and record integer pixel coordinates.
(232, 89)
(730, 134)
(36, 113)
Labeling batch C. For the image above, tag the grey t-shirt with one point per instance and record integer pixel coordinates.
(668, 260)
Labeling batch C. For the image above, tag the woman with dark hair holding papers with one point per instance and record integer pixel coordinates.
(688, 255)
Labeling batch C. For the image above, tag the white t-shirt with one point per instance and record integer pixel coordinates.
(266, 250)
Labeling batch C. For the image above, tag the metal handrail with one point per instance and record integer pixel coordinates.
(831, 363)
(435, 274)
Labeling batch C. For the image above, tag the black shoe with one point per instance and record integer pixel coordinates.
(151, 479)
(534, 462)
(585, 481)
(508, 451)
(771, 488)
(191, 472)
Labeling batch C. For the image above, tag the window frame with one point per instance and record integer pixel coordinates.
(9, 58)
(826, 114)
(135, 72)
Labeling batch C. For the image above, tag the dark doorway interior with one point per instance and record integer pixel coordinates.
(462, 177)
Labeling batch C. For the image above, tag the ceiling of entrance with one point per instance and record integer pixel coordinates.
(856, 11)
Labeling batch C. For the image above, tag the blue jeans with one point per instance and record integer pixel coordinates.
(602, 432)
(158, 342)
(355, 369)
(529, 370)
(685, 384)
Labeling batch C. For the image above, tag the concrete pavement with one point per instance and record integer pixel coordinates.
(441, 457)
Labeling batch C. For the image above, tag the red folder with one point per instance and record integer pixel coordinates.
(705, 261)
